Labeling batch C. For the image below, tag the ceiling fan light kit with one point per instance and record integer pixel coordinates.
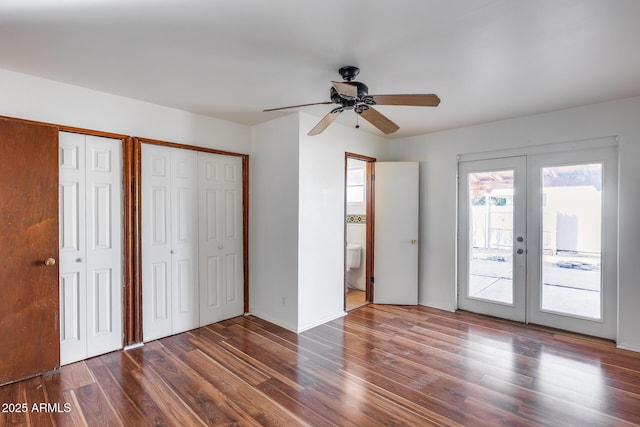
(354, 95)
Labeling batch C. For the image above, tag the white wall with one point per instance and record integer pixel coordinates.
(437, 155)
(322, 216)
(33, 98)
(273, 221)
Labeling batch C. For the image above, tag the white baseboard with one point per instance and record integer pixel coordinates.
(322, 322)
(631, 347)
(448, 308)
(271, 320)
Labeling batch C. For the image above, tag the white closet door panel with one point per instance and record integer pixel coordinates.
(221, 272)
(104, 244)
(211, 266)
(90, 246)
(73, 345)
(73, 321)
(233, 239)
(156, 241)
(212, 285)
(159, 223)
(184, 209)
(160, 293)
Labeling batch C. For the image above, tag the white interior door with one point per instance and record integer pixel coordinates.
(91, 246)
(221, 239)
(73, 248)
(192, 239)
(184, 240)
(156, 241)
(396, 233)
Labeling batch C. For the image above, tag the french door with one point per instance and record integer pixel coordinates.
(538, 238)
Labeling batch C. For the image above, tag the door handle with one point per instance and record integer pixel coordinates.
(414, 241)
(49, 262)
(520, 251)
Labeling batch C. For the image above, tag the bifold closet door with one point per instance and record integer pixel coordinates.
(184, 246)
(169, 241)
(221, 243)
(90, 246)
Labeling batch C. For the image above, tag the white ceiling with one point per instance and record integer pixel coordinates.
(486, 59)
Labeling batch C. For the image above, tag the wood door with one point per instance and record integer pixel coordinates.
(396, 233)
(29, 295)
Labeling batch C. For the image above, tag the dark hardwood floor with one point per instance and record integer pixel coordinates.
(380, 365)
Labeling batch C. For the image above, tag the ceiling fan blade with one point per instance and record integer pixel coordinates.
(326, 121)
(379, 120)
(346, 89)
(296, 106)
(409, 99)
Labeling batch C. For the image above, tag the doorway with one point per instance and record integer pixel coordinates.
(358, 231)
(538, 238)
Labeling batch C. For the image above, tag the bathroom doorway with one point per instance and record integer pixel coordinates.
(358, 278)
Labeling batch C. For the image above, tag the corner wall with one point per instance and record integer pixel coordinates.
(322, 216)
(297, 218)
(273, 221)
(438, 170)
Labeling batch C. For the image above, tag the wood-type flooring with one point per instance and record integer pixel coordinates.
(380, 365)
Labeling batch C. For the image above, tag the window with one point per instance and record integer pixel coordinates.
(355, 185)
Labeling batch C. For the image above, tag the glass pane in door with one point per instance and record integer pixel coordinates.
(571, 240)
(491, 236)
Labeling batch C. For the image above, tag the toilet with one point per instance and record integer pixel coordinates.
(353, 256)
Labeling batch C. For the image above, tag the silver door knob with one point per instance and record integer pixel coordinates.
(172, 251)
(80, 260)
